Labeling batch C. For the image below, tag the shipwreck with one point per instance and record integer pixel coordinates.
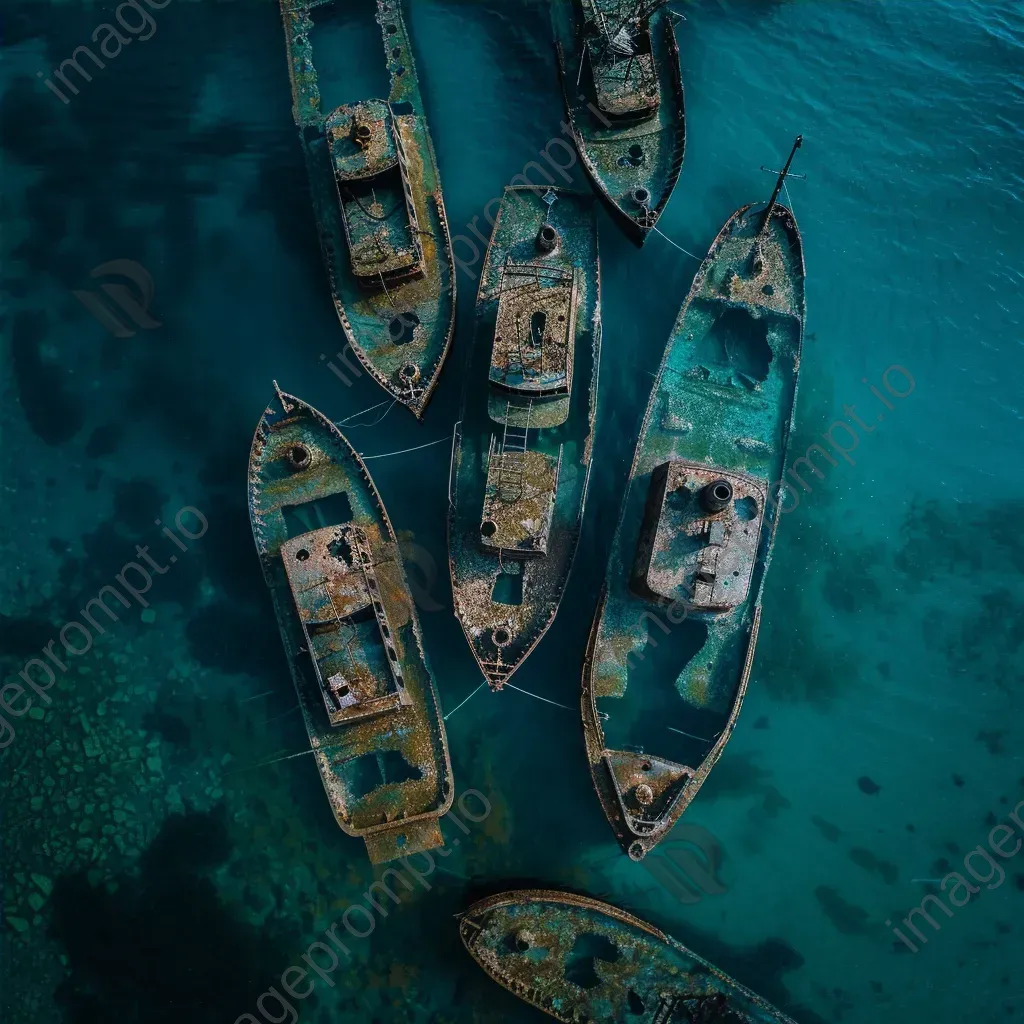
(580, 960)
(331, 560)
(672, 642)
(619, 65)
(522, 450)
(379, 210)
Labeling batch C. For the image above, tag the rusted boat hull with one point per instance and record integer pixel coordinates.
(400, 330)
(522, 451)
(634, 164)
(330, 558)
(672, 642)
(580, 960)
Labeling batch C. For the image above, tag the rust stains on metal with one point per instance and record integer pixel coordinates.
(619, 65)
(673, 639)
(523, 448)
(580, 960)
(379, 209)
(331, 560)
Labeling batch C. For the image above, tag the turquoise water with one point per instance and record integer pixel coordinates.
(152, 872)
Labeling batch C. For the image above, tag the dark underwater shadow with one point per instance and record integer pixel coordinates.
(163, 947)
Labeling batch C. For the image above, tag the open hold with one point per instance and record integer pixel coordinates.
(488, 528)
(580, 967)
(635, 1003)
(402, 328)
(501, 637)
(746, 510)
(740, 341)
(332, 510)
(371, 771)
(508, 589)
(634, 158)
(537, 322)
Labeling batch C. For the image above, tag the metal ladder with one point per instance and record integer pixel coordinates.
(512, 457)
(364, 557)
(403, 164)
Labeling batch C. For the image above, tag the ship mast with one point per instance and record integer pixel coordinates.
(778, 185)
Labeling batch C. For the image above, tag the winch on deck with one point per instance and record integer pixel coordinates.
(699, 539)
(333, 579)
(368, 148)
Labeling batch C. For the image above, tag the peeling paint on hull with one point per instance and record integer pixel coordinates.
(400, 330)
(523, 449)
(580, 960)
(671, 645)
(633, 162)
(384, 763)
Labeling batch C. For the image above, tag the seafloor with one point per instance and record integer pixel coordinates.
(156, 869)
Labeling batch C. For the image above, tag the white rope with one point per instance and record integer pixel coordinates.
(538, 697)
(466, 701)
(654, 228)
(788, 199)
(263, 764)
(690, 734)
(348, 419)
(379, 419)
(283, 714)
(387, 455)
(265, 693)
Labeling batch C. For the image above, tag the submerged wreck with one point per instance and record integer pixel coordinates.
(521, 455)
(619, 65)
(379, 211)
(673, 638)
(330, 558)
(580, 960)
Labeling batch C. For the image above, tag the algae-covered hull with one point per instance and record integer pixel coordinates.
(523, 448)
(673, 639)
(379, 210)
(619, 65)
(331, 560)
(580, 960)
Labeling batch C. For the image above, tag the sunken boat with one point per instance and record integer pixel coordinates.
(673, 638)
(580, 960)
(331, 560)
(619, 65)
(522, 450)
(379, 210)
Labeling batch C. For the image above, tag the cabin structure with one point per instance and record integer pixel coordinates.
(368, 157)
(345, 622)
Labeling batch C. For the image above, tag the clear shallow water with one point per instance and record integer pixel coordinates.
(890, 646)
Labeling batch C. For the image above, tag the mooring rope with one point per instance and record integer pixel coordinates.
(466, 701)
(347, 421)
(283, 714)
(538, 697)
(264, 764)
(654, 227)
(788, 199)
(387, 455)
(690, 734)
(379, 419)
(265, 693)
